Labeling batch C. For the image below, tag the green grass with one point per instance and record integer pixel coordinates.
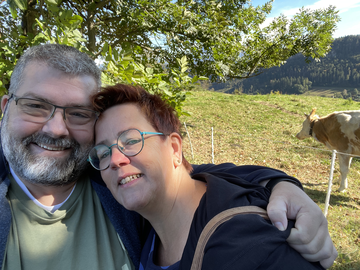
(260, 130)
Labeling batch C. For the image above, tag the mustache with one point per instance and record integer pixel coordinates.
(46, 139)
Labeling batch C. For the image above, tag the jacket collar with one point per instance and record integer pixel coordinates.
(4, 167)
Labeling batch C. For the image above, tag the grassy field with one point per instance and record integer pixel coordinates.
(261, 130)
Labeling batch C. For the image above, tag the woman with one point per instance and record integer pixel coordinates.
(139, 152)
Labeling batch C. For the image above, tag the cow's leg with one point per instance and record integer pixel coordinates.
(344, 162)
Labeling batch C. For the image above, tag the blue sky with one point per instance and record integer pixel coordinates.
(349, 11)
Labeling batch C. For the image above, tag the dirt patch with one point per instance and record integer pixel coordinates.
(276, 107)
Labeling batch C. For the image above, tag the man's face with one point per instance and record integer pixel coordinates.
(48, 153)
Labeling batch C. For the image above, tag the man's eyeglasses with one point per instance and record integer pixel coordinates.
(130, 143)
(38, 111)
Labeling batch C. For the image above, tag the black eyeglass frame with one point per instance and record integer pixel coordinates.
(16, 99)
(121, 149)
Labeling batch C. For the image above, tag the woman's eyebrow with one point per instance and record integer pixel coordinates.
(105, 141)
(102, 142)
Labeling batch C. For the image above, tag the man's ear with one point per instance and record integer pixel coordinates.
(176, 143)
(4, 102)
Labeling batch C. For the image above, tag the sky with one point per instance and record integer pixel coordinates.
(349, 12)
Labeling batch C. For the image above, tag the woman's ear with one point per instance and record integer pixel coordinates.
(176, 144)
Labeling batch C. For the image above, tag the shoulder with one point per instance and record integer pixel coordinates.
(251, 242)
(249, 173)
(4, 168)
(211, 167)
(225, 191)
(244, 240)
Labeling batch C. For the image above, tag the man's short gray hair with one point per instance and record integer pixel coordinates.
(61, 57)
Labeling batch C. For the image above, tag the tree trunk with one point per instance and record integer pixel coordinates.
(28, 18)
(91, 30)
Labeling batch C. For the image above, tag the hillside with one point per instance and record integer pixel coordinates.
(260, 130)
(339, 70)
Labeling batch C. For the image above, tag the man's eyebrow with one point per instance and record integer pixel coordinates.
(34, 96)
(41, 98)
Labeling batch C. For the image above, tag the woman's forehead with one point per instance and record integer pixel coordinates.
(120, 118)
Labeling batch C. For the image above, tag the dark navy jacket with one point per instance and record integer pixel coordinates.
(246, 241)
(129, 225)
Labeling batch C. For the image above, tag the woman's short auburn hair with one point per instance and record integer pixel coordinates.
(160, 114)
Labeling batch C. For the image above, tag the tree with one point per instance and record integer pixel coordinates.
(220, 38)
(117, 66)
(344, 93)
(338, 95)
(355, 92)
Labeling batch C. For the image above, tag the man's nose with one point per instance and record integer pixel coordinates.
(56, 125)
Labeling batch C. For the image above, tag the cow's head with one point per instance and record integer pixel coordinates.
(307, 125)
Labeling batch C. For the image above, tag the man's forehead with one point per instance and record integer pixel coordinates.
(39, 71)
(52, 85)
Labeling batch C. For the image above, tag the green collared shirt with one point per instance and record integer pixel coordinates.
(78, 235)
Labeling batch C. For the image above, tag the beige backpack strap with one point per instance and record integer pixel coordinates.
(215, 222)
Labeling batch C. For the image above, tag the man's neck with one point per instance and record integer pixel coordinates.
(46, 195)
(49, 196)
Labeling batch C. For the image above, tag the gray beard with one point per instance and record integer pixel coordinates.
(46, 171)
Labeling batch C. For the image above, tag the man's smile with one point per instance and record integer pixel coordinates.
(51, 148)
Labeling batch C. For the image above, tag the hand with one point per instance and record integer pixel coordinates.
(310, 237)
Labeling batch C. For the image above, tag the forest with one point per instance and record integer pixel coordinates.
(340, 68)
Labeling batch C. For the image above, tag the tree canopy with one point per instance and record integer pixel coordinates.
(220, 38)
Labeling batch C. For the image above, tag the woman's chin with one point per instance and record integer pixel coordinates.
(134, 205)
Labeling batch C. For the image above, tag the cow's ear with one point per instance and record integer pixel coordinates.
(313, 112)
(306, 115)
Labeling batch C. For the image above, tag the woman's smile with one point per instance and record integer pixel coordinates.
(130, 178)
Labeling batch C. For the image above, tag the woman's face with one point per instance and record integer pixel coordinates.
(142, 182)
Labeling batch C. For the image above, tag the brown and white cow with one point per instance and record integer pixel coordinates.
(338, 131)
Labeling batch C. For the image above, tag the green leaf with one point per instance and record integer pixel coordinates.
(21, 4)
(53, 2)
(116, 55)
(149, 71)
(105, 48)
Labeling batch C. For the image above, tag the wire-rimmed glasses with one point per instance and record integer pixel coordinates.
(130, 142)
(39, 111)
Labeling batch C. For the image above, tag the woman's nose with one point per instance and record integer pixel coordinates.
(118, 158)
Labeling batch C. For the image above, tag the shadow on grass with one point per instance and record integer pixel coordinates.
(336, 198)
(314, 185)
(345, 263)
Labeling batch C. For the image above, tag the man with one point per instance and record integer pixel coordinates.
(51, 214)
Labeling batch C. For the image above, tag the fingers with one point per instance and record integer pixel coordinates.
(310, 236)
(276, 210)
(328, 262)
(310, 230)
(325, 253)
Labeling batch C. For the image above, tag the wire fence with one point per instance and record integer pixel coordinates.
(268, 141)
